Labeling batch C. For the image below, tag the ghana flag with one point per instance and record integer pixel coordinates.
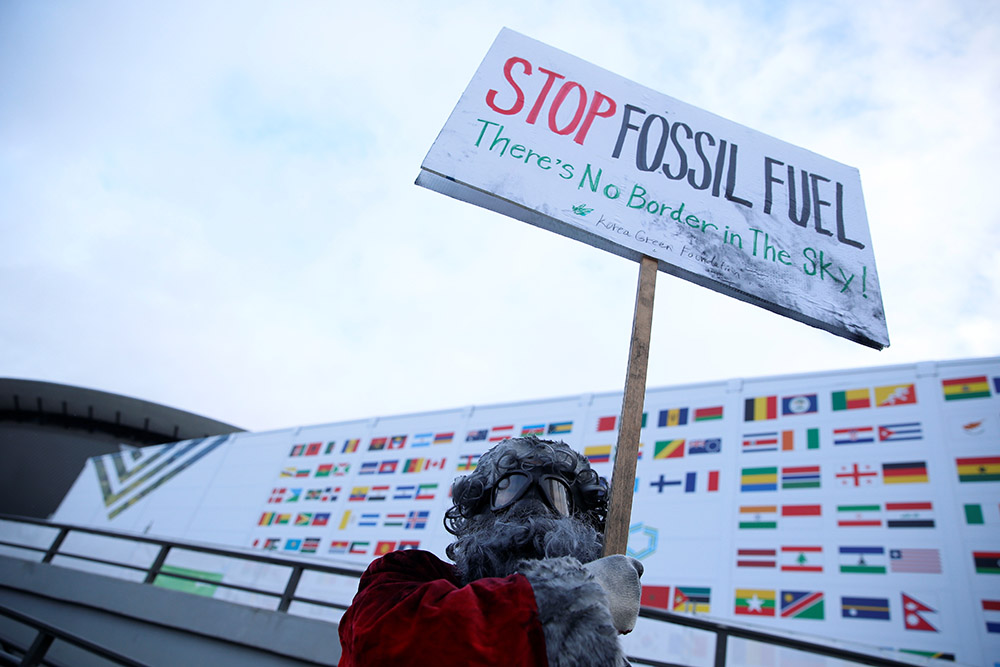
(978, 469)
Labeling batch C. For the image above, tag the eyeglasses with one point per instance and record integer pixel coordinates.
(511, 487)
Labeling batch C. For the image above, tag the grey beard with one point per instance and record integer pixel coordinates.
(496, 543)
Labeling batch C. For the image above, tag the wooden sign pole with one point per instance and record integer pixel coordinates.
(630, 423)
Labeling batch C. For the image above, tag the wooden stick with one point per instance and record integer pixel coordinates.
(630, 423)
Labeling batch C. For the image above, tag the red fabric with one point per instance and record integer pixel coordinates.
(411, 610)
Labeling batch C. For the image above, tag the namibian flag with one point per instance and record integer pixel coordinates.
(911, 472)
(851, 399)
(970, 387)
(760, 408)
(979, 469)
(802, 604)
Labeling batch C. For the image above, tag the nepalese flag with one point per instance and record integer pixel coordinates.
(608, 424)
(444, 438)
(533, 429)
(910, 514)
(991, 612)
(673, 417)
(708, 414)
(397, 442)
(498, 433)
(865, 608)
(468, 462)
(855, 435)
(800, 477)
(754, 602)
(417, 519)
(968, 387)
(351, 446)
(598, 453)
(760, 442)
(910, 472)
(476, 435)
(802, 404)
(913, 614)
(923, 561)
(377, 444)
(657, 597)
(802, 604)
(986, 562)
(978, 469)
(692, 599)
(760, 408)
(895, 394)
(851, 399)
(422, 440)
(759, 479)
(669, 449)
(560, 427)
(707, 446)
(900, 432)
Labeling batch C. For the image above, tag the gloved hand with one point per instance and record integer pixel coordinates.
(619, 577)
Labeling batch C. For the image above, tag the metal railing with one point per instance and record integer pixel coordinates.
(723, 632)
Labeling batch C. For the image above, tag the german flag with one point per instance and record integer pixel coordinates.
(911, 472)
(970, 387)
(979, 469)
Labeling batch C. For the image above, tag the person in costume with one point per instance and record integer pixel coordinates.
(528, 587)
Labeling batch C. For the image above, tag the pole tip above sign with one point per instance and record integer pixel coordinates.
(554, 141)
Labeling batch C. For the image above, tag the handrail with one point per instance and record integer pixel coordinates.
(47, 633)
(721, 630)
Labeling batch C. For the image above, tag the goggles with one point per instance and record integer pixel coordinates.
(555, 490)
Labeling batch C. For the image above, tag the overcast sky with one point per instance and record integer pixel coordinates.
(211, 205)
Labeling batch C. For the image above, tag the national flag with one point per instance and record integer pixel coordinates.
(498, 433)
(669, 449)
(657, 597)
(869, 608)
(414, 465)
(712, 481)
(394, 520)
(560, 427)
(895, 394)
(859, 516)
(925, 561)
(851, 399)
(759, 479)
(900, 432)
(788, 439)
(802, 404)
(297, 450)
(330, 494)
(758, 516)
(408, 544)
(314, 494)
(607, 424)
(760, 442)
(857, 476)
(968, 387)
(426, 491)
(283, 519)
(978, 469)
(476, 435)
(358, 493)
(707, 446)
(388, 467)
(673, 417)
(913, 610)
(310, 545)
(802, 559)
(330, 447)
(270, 544)
(708, 414)
(404, 492)
(293, 544)
(324, 470)
(662, 482)
(800, 477)
(359, 548)
(312, 449)
(802, 604)
(692, 599)
(444, 438)
(378, 493)
(910, 472)
(321, 518)
(368, 520)
(987, 562)
(422, 440)
(384, 547)
(339, 547)
(756, 558)
(303, 519)
(468, 462)
(754, 602)
(801, 516)
(910, 515)
(862, 560)
(855, 435)
(417, 519)
(598, 453)
(534, 429)
(377, 444)
(760, 408)
(266, 519)
(351, 445)
(397, 442)
(991, 614)
(302, 472)
(368, 468)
